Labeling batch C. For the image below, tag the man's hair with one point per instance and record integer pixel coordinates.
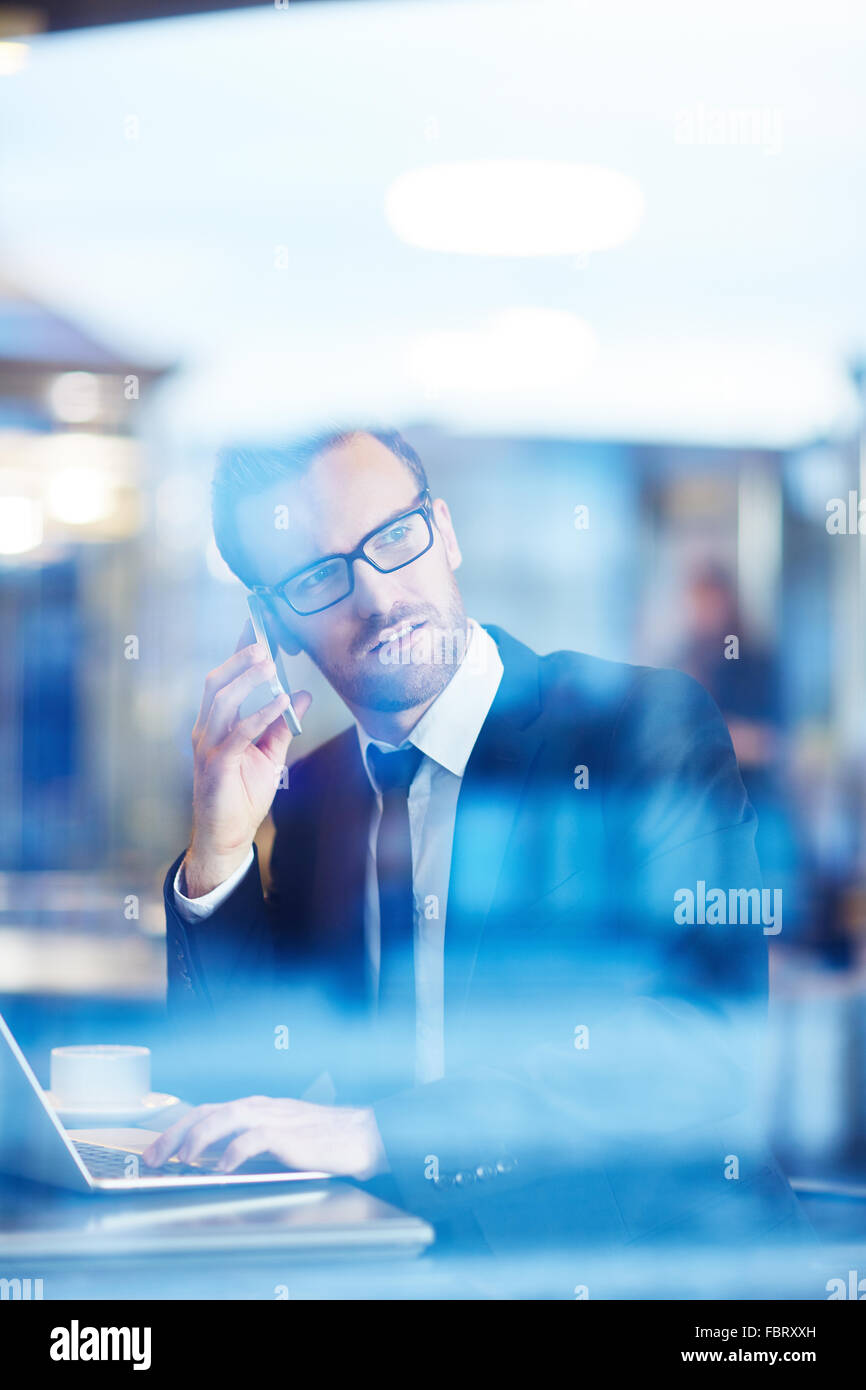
(246, 472)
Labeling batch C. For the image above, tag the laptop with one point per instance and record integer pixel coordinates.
(34, 1144)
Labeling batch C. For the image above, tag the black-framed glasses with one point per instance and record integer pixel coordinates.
(332, 578)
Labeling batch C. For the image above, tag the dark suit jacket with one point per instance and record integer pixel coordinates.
(598, 1054)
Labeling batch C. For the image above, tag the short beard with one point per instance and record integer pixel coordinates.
(404, 687)
(399, 684)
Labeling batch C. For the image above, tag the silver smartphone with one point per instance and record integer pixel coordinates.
(279, 684)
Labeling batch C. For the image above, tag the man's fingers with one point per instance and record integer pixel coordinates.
(274, 742)
(219, 1124)
(267, 728)
(246, 731)
(262, 1139)
(227, 701)
(301, 699)
(222, 675)
(163, 1147)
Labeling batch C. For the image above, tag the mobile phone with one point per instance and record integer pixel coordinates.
(278, 684)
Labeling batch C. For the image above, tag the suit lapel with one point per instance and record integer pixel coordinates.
(490, 797)
(341, 861)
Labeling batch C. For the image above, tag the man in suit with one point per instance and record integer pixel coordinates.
(515, 908)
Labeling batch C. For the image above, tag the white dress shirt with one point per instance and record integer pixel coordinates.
(446, 735)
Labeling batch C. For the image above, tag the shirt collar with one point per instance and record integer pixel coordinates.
(447, 731)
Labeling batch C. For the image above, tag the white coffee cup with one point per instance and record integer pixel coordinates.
(100, 1074)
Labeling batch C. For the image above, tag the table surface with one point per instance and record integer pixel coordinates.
(195, 1246)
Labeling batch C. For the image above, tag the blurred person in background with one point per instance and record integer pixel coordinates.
(471, 917)
(742, 675)
(743, 680)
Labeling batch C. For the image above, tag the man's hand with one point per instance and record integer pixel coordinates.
(333, 1139)
(237, 764)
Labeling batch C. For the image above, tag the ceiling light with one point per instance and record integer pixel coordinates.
(13, 57)
(80, 495)
(518, 350)
(514, 207)
(75, 397)
(20, 525)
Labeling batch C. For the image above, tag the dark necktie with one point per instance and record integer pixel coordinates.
(393, 773)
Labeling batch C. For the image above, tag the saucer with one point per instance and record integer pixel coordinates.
(119, 1113)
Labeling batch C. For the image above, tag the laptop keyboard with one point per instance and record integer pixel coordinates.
(102, 1162)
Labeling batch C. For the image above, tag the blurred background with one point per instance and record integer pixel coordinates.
(603, 266)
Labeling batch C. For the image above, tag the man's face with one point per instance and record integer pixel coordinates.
(347, 492)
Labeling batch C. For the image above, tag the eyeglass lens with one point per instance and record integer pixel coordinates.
(396, 544)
